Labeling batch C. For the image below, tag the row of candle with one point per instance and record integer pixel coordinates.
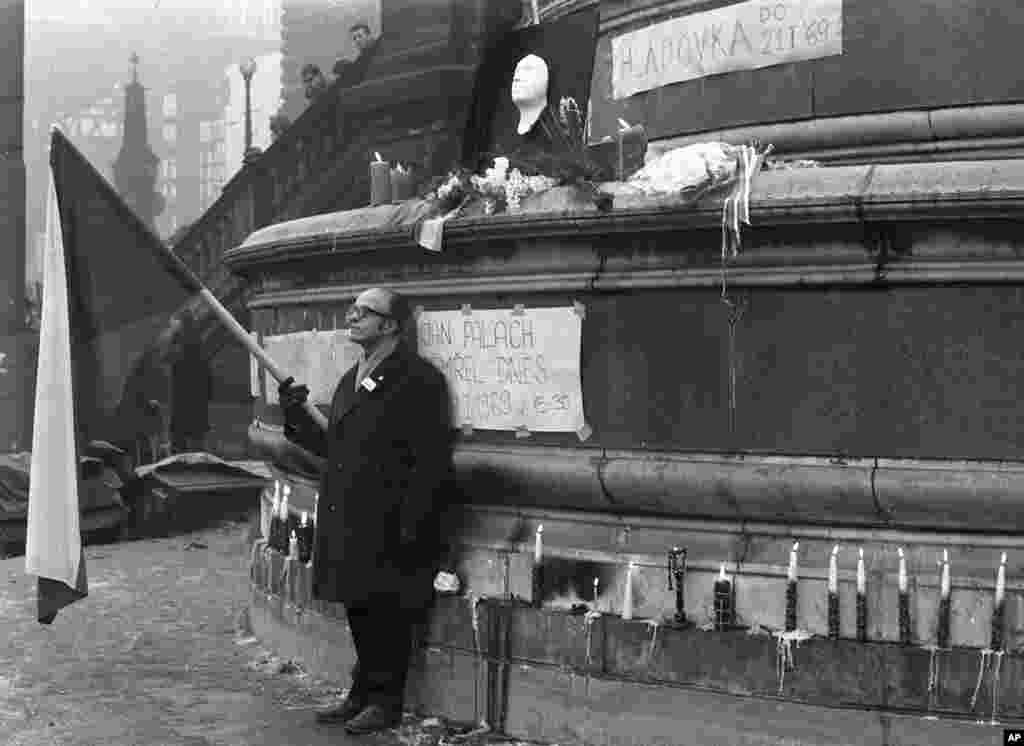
(724, 599)
(285, 534)
(387, 183)
(904, 598)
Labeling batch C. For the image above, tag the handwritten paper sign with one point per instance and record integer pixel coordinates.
(509, 369)
(744, 36)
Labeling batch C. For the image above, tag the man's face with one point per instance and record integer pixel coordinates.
(361, 38)
(369, 318)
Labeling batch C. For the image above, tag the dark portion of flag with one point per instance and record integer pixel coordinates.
(122, 290)
(53, 595)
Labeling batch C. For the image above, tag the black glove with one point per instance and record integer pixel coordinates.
(292, 397)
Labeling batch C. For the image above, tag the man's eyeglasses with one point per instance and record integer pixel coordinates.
(358, 313)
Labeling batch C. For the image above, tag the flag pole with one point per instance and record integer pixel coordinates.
(225, 317)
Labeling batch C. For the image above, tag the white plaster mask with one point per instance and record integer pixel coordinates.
(530, 81)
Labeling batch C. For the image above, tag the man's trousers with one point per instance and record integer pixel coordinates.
(383, 637)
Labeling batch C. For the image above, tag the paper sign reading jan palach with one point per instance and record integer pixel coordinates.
(509, 369)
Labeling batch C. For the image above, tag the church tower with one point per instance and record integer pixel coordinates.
(136, 164)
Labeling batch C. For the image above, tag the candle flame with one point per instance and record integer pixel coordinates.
(900, 550)
(721, 572)
(377, 156)
(945, 556)
(796, 545)
(1002, 561)
(835, 550)
(862, 552)
(540, 529)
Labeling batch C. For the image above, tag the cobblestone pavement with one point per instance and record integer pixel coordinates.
(155, 656)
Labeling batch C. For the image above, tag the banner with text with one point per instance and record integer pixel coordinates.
(744, 36)
(513, 369)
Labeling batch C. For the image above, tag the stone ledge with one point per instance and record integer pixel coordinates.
(803, 490)
(834, 195)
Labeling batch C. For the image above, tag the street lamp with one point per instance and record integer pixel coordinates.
(247, 68)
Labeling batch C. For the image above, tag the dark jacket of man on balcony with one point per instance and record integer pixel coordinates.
(352, 72)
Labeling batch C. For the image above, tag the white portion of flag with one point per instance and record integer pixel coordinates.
(53, 546)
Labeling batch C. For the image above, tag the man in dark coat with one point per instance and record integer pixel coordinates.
(351, 73)
(388, 451)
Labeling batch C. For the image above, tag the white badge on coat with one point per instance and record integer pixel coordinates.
(369, 384)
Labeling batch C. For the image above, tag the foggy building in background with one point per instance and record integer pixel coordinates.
(76, 63)
(136, 163)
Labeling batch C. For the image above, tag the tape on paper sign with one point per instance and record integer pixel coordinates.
(467, 310)
(584, 432)
(518, 310)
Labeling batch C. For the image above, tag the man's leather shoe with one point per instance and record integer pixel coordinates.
(373, 719)
(342, 713)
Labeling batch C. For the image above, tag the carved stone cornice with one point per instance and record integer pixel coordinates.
(733, 492)
(849, 224)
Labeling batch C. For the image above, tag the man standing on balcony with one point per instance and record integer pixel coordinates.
(387, 478)
(351, 73)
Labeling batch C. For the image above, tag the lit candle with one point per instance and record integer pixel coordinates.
(274, 530)
(903, 572)
(1001, 580)
(833, 594)
(538, 544)
(595, 592)
(792, 563)
(723, 601)
(304, 519)
(945, 585)
(632, 143)
(861, 576)
(293, 546)
(401, 183)
(277, 490)
(627, 596)
(380, 181)
(833, 571)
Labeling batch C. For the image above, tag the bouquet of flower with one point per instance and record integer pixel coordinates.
(452, 191)
(568, 161)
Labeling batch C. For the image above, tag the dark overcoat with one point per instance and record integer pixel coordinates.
(387, 479)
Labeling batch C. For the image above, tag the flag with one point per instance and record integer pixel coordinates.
(53, 547)
(109, 289)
